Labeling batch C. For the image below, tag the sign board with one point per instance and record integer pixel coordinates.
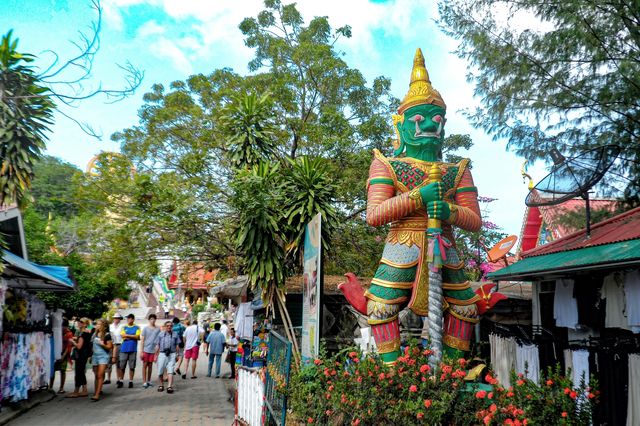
(311, 289)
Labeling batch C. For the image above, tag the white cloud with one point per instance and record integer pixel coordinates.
(166, 48)
(150, 28)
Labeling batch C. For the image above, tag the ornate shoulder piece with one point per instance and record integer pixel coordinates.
(381, 171)
(463, 165)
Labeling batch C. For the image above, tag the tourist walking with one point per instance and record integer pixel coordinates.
(115, 328)
(82, 353)
(232, 346)
(148, 354)
(128, 350)
(215, 348)
(167, 347)
(191, 336)
(178, 329)
(102, 351)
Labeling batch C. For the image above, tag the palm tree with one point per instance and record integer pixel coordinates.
(26, 110)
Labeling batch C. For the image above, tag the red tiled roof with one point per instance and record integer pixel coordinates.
(623, 227)
(534, 217)
(194, 276)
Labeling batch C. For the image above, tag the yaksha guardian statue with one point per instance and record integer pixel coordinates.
(402, 193)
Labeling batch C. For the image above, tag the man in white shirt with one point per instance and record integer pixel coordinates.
(192, 335)
(114, 329)
(224, 329)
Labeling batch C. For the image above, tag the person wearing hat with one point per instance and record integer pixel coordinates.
(115, 328)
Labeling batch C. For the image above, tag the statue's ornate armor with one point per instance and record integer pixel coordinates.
(402, 277)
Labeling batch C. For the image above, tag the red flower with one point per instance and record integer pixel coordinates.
(330, 388)
(447, 369)
(317, 361)
(333, 372)
(490, 379)
(310, 420)
(462, 362)
(520, 382)
(424, 379)
(343, 398)
(420, 415)
(481, 394)
(328, 412)
(564, 414)
(413, 388)
(424, 368)
(490, 396)
(590, 395)
(549, 382)
(353, 354)
(359, 379)
(567, 391)
(356, 422)
(573, 394)
(427, 403)
(528, 396)
(493, 408)
(381, 376)
(356, 360)
(508, 422)
(487, 419)
(509, 394)
(427, 352)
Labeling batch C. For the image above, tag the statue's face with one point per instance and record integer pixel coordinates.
(423, 126)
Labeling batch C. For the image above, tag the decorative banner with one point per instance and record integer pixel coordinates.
(311, 289)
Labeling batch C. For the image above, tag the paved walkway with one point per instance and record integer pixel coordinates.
(201, 401)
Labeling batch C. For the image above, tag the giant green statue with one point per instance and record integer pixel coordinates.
(407, 191)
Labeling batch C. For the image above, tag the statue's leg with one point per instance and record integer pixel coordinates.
(383, 307)
(389, 293)
(461, 313)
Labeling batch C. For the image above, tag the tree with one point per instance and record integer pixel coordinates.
(26, 111)
(570, 79)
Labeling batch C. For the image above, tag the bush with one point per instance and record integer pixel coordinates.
(349, 389)
(197, 309)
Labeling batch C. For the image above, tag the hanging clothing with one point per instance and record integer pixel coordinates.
(527, 362)
(503, 358)
(56, 326)
(568, 360)
(633, 407)
(244, 321)
(586, 293)
(580, 360)
(3, 292)
(632, 293)
(536, 321)
(565, 308)
(613, 291)
(612, 368)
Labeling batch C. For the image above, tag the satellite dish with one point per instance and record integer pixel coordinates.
(501, 249)
(573, 177)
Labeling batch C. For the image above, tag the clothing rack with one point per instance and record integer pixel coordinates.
(629, 344)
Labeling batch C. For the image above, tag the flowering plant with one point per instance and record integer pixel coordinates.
(349, 389)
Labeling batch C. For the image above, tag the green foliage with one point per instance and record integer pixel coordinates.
(248, 120)
(26, 112)
(259, 233)
(351, 389)
(569, 80)
(198, 308)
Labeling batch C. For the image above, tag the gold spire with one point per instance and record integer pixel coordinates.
(420, 89)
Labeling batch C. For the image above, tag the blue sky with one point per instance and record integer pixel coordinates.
(172, 39)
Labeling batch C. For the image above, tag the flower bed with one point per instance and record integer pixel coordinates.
(349, 389)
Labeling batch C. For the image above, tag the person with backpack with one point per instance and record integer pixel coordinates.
(178, 330)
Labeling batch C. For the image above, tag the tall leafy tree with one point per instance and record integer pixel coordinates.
(26, 111)
(555, 74)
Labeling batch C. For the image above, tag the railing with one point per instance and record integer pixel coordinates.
(250, 397)
(278, 368)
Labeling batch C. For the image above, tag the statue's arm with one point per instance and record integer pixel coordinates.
(383, 206)
(466, 214)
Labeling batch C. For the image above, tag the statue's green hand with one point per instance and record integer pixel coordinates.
(438, 210)
(432, 192)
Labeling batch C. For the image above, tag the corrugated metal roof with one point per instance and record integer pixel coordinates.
(623, 227)
(600, 256)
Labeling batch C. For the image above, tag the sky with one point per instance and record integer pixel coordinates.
(172, 39)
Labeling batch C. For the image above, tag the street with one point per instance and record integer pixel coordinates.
(201, 401)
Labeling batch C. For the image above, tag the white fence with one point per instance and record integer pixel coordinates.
(250, 397)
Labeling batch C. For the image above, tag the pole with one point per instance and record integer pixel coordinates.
(434, 228)
(588, 213)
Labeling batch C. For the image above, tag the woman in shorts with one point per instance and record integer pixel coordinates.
(102, 348)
